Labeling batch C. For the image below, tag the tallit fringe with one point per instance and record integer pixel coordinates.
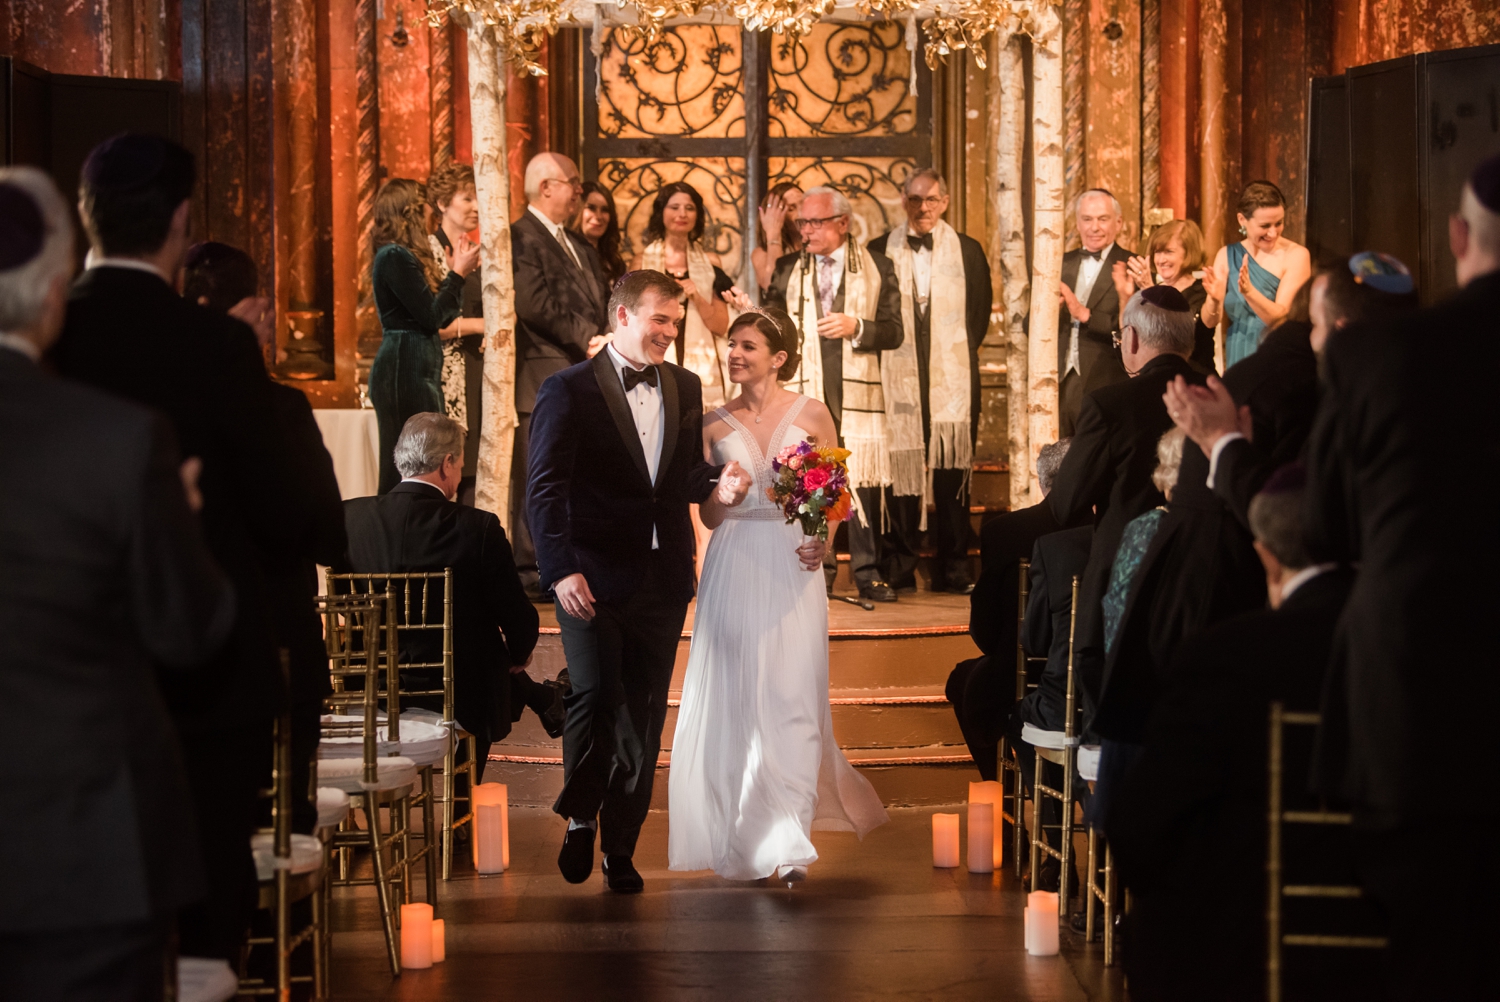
(869, 463)
(907, 472)
(951, 447)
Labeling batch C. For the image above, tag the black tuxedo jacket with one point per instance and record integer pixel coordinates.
(1195, 803)
(1003, 544)
(1098, 359)
(1055, 559)
(558, 307)
(978, 296)
(1404, 469)
(129, 333)
(883, 331)
(103, 571)
(412, 527)
(1108, 469)
(590, 501)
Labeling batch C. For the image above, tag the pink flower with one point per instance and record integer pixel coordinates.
(815, 478)
(795, 462)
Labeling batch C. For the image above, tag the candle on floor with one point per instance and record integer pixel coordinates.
(416, 936)
(439, 942)
(991, 792)
(945, 840)
(1041, 923)
(491, 828)
(981, 838)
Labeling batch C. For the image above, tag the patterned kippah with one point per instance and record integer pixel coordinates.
(125, 161)
(22, 228)
(1286, 479)
(1166, 297)
(1485, 181)
(1382, 272)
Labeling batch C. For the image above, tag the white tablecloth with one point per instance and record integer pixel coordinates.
(352, 438)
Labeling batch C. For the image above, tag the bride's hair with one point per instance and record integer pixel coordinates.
(780, 333)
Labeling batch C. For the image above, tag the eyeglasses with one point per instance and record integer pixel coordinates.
(812, 224)
(1117, 337)
(930, 202)
(573, 182)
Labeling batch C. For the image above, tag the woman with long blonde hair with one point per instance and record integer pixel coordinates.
(417, 296)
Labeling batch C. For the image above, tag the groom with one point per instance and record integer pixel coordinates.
(616, 458)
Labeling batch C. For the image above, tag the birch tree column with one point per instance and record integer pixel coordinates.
(1047, 231)
(492, 185)
(1008, 247)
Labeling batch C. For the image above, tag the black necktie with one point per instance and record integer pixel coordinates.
(634, 377)
(916, 243)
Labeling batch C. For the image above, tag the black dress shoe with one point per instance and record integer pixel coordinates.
(557, 714)
(877, 591)
(620, 875)
(576, 860)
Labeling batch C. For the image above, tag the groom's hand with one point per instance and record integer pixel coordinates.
(734, 484)
(574, 596)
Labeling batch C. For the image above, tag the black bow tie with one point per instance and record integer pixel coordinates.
(916, 243)
(634, 377)
(1092, 255)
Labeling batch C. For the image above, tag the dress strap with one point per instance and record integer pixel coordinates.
(786, 423)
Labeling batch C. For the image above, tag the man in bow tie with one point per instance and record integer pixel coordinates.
(1087, 357)
(945, 308)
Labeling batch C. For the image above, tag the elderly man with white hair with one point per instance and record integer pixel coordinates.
(104, 578)
(846, 301)
(1087, 358)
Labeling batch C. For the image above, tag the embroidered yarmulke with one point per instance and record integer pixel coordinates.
(1166, 297)
(22, 228)
(1381, 271)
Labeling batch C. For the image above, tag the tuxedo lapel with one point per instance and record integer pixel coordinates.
(619, 409)
(1105, 283)
(672, 419)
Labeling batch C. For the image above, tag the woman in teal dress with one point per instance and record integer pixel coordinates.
(1253, 282)
(417, 297)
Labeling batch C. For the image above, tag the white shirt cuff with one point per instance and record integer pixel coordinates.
(1218, 449)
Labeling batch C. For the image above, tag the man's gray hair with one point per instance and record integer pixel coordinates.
(426, 440)
(1048, 461)
(1276, 524)
(1162, 329)
(1119, 210)
(23, 290)
(841, 206)
(930, 174)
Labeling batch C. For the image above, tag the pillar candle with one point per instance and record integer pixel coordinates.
(981, 838)
(491, 828)
(416, 935)
(991, 792)
(439, 942)
(945, 840)
(1041, 923)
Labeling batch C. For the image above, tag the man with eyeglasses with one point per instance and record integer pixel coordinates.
(1088, 355)
(560, 312)
(847, 304)
(945, 310)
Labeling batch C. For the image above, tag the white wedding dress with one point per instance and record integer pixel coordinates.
(754, 764)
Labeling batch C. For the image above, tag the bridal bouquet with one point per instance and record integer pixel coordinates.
(812, 487)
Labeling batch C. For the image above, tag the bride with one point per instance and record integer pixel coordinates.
(754, 764)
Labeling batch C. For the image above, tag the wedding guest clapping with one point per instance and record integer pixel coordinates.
(1174, 256)
(455, 200)
(1087, 357)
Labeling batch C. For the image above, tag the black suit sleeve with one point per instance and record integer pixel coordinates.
(1104, 315)
(322, 517)
(1242, 469)
(1328, 521)
(885, 330)
(504, 595)
(980, 293)
(1086, 475)
(1036, 632)
(985, 608)
(553, 445)
(541, 305)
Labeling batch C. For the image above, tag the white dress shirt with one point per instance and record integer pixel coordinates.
(1083, 288)
(559, 233)
(1216, 452)
(921, 275)
(648, 410)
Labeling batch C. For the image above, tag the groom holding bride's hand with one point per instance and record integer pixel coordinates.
(616, 457)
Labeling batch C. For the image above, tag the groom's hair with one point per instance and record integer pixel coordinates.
(426, 440)
(633, 286)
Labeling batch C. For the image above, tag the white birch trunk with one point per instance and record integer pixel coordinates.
(492, 184)
(1047, 232)
(1009, 238)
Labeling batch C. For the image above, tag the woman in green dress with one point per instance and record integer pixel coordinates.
(1253, 282)
(417, 297)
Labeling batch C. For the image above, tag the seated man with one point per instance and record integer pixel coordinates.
(982, 690)
(416, 526)
(1195, 802)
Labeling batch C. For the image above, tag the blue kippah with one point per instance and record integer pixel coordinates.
(1381, 272)
(22, 228)
(1485, 183)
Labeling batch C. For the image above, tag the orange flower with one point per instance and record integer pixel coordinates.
(839, 511)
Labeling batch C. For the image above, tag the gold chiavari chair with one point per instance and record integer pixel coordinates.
(415, 608)
(1277, 889)
(1059, 748)
(376, 783)
(1008, 763)
(299, 867)
(1098, 891)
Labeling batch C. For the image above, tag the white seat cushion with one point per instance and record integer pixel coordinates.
(1038, 738)
(1088, 762)
(200, 979)
(422, 741)
(347, 774)
(307, 854)
(333, 806)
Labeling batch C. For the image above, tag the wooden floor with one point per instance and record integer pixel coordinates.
(875, 920)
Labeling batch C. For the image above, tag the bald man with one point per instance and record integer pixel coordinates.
(560, 301)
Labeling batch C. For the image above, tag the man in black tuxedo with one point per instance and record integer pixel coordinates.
(129, 332)
(828, 248)
(983, 689)
(104, 576)
(1402, 475)
(948, 450)
(417, 526)
(1196, 800)
(1087, 357)
(616, 459)
(1109, 465)
(560, 316)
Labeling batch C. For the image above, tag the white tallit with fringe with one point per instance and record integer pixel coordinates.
(703, 353)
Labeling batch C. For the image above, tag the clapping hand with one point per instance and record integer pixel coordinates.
(1124, 279)
(1214, 285)
(1205, 413)
(1244, 279)
(463, 257)
(734, 484)
(811, 554)
(1139, 270)
(1078, 311)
